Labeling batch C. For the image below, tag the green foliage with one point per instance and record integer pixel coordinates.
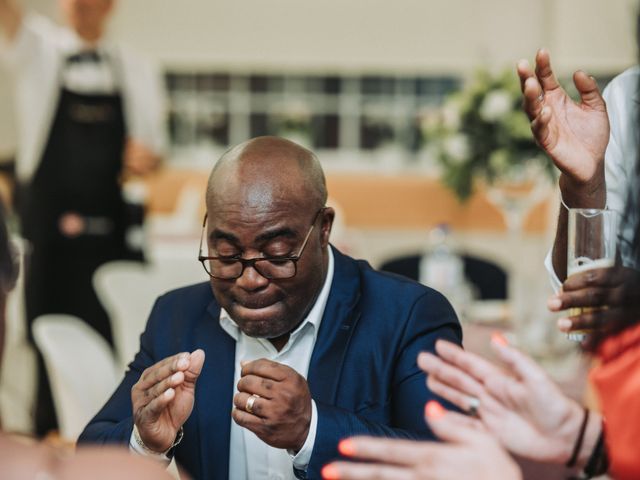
(482, 131)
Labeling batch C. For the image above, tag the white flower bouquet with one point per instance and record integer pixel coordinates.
(482, 132)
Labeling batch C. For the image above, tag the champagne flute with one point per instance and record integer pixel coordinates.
(591, 244)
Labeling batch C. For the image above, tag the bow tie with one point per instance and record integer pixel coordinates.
(87, 56)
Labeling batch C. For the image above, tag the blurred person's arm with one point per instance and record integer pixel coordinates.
(10, 19)
(467, 451)
(30, 39)
(146, 114)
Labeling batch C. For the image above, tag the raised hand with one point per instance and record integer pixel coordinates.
(574, 135)
(615, 288)
(280, 415)
(163, 398)
(470, 452)
(521, 407)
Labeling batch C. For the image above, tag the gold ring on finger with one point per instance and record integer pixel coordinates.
(250, 401)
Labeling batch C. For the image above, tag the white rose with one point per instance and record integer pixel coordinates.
(495, 105)
(457, 147)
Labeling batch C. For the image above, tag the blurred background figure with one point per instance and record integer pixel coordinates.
(88, 114)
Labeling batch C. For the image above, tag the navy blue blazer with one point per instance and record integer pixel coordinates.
(363, 374)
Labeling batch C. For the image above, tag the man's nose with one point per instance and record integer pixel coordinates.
(251, 279)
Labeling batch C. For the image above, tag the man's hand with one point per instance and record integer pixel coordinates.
(138, 158)
(163, 398)
(615, 288)
(281, 416)
(574, 135)
(469, 452)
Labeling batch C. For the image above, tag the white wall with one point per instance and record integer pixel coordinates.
(410, 35)
(594, 34)
(418, 36)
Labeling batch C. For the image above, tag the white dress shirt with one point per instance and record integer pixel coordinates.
(621, 156)
(249, 457)
(36, 57)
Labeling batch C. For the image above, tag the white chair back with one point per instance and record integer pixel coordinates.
(81, 368)
(128, 291)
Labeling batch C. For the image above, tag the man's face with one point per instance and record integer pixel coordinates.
(261, 307)
(86, 14)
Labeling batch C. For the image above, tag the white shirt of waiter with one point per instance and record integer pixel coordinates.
(36, 57)
(249, 457)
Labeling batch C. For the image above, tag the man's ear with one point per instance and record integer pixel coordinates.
(328, 214)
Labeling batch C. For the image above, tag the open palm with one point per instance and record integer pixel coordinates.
(574, 135)
(526, 414)
(521, 407)
(163, 398)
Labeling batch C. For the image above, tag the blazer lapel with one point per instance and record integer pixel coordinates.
(214, 395)
(339, 320)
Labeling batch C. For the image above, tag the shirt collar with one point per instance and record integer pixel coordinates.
(313, 318)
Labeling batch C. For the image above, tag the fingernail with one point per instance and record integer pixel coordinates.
(329, 472)
(175, 377)
(168, 392)
(499, 339)
(544, 111)
(183, 362)
(554, 303)
(564, 324)
(347, 448)
(433, 410)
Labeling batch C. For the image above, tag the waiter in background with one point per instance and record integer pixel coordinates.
(88, 112)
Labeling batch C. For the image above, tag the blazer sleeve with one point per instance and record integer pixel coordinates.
(114, 422)
(430, 318)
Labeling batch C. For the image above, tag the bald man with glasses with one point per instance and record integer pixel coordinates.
(304, 345)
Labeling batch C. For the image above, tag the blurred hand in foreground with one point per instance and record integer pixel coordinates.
(469, 452)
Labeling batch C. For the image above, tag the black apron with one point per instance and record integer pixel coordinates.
(79, 174)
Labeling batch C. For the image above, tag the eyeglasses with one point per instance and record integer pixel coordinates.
(230, 268)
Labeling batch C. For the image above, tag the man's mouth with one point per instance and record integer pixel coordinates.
(256, 304)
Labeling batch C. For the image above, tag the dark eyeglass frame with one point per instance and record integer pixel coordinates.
(251, 262)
